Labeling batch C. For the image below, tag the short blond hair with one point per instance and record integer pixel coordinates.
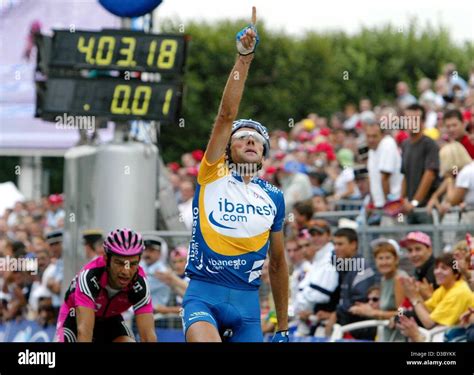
(453, 155)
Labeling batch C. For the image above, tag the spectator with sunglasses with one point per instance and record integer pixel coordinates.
(373, 296)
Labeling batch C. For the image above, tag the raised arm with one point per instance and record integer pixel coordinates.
(232, 95)
(278, 271)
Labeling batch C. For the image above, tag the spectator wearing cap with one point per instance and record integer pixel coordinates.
(54, 273)
(153, 262)
(420, 167)
(323, 154)
(186, 206)
(448, 303)
(420, 255)
(295, 183)
(93, 240)
(197, 155)
(316, 292)
(355, 279)
(384, 166)
(387, 256)
(55, 215)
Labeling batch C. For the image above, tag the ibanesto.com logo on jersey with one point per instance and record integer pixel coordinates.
(237, 212)
(219, 264)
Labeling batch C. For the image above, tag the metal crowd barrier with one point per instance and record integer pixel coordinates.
(369, 232)
(435, 334)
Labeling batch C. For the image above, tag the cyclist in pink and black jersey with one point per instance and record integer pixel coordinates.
(104, 289)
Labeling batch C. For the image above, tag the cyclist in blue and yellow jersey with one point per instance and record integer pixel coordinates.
(237, 218)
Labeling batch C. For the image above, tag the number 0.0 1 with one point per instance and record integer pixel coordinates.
(121, 100)
(140, 102)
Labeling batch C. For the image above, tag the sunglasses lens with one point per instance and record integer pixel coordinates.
(246, 134)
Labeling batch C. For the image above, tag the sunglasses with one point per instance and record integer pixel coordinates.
(373, 299)
(244, 135)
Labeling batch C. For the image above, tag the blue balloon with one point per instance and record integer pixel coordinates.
(130, 8)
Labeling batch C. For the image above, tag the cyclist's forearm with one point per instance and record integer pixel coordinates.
(234, 89)
(85, 318)
(278, 272)
(84, 335)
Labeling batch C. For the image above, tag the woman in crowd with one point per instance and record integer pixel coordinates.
(386, 254)
(447, 304)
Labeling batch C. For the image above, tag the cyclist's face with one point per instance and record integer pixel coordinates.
(122, 270)
(246, 150)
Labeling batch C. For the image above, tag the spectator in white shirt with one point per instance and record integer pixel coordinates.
(384, 165)
(54, 273)
(153, 261)
(186, 207)
(320, 283)
(345, 186)
(298, 264)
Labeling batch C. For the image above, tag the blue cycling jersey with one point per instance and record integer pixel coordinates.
(232, 222)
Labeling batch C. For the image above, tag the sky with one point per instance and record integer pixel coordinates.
(297, 16)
